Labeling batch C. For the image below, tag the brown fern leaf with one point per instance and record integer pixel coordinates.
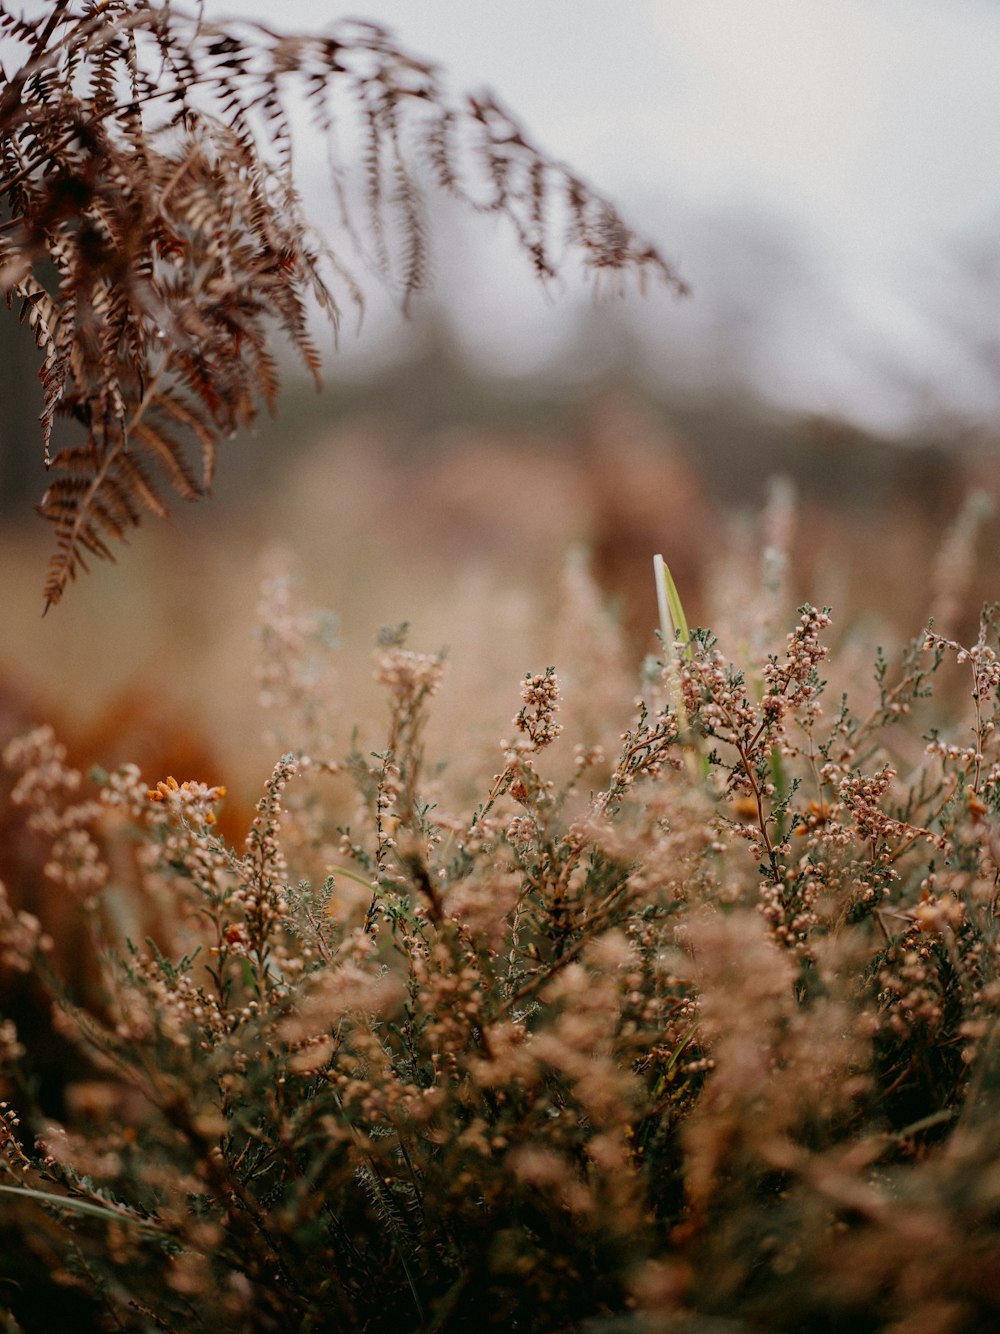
(169, 453)
(154, 235)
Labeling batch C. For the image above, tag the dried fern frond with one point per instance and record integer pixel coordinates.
(154, 236)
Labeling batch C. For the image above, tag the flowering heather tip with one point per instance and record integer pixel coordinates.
(407, 674)
(536, 720)
(192, 800)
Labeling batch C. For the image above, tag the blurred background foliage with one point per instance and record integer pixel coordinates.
(429, 490)
(610, 443)
(446, 478)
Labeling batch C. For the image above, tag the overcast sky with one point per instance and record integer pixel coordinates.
(865, 132)
(816, 168)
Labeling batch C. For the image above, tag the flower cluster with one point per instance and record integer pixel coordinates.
(536, 720)
(190, 801)
(864, 794)
(409, 676)
(22, 936)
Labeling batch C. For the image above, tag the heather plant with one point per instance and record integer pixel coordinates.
(692, 1018)
(698, 1020)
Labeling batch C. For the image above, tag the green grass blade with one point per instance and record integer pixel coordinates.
(108, 1212)
(674, 626)
(673, 622)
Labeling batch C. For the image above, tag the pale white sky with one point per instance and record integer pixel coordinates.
(867, 131)
(814, 167)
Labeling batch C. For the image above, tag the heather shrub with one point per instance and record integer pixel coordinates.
(693, 1021)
